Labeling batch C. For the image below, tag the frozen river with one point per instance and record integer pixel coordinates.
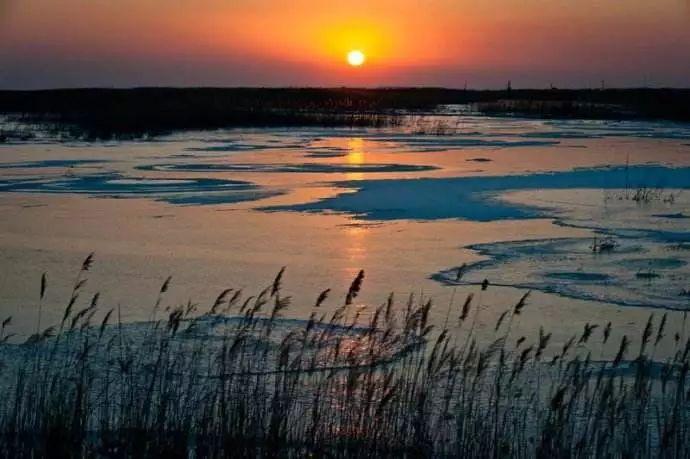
(593, 216)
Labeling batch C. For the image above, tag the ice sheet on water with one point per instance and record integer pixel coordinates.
(175, 191)
(436, 132)
(635, 129)
(639, 272)
(326, 152)
(50, 163)
(637, 257)
(286, 168)
(476, 198)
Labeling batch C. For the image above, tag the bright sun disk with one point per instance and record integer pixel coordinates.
(355, 58)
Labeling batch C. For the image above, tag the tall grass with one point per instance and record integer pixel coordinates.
(146, 112)
(236, 378)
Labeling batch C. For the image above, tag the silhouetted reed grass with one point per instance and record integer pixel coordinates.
(235, 378)
(145, 112)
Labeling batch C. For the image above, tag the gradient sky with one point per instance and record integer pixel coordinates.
(534, 43)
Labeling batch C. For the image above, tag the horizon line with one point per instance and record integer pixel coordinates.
(369, 88)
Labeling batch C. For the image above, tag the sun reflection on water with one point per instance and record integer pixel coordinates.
(355, 156)
(356, 246)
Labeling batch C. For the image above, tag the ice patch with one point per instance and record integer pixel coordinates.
(632, 276)
(306, 167)
(148, 182)
(633, 258)
(49, 163)
(635, 129)
(645, 265)
(326, 152)
(476, 198)
(480, 160)
(677, 215)
(175, 191)
(430, 143)
(248, 144)
(579, 276)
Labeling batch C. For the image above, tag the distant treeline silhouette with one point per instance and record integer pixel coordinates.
(103, 113)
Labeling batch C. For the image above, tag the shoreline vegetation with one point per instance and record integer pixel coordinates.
(235, 378)
(147, 112)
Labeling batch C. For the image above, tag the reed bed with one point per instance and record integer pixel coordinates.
(236, 378)
(106, 127)
(148, 112)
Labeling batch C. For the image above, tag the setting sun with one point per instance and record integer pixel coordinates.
(355, 58)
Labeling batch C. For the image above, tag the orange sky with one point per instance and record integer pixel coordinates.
(52, 43)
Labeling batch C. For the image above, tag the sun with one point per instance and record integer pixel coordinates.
(356, 58)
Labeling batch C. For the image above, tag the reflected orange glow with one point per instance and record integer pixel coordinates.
(355, 246)
(355, 156)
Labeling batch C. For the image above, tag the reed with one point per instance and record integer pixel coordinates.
(148, 112)
(237, 378)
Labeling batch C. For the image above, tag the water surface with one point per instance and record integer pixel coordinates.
(524, 203)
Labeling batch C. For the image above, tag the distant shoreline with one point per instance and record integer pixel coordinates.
(137, 112)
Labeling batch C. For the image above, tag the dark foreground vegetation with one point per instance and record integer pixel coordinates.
(107, 113)
(235, 379)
